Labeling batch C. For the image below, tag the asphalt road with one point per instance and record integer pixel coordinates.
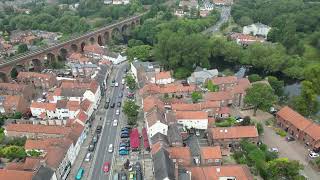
(110, 134)
(224, 17)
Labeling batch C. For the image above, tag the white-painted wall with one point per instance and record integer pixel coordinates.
(194, 123)
(157, 127)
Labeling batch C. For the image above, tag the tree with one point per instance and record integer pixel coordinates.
(282, 168)
(277, 85)
(196, 96)
(22, 48)
(260, 128)
(312, 74)
(33, 153)
(131, 82)
(211, 87)
(254, 78)
(142, 52)
(131, 111)
(14, 73)
(245, 20)
(12, 152)
(134, 42)
(306, 103)
(260, 96)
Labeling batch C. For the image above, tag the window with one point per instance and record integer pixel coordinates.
(209, 160)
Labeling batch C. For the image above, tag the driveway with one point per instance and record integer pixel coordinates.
(293, 150)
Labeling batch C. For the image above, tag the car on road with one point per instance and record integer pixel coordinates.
(79, 173)
(123, 152)
(106, 106)
(91, 147)
(274, 149)
(117, 112)
(290, 138)
(313, 154)
(113, 105)
(95, 138)
(106, 167)
(88, 157)
(116, 84)
(119, 104)
(108, 100)
(113, 82)
(115, 122)
(120, 95)
(99, 129)
(110, 148)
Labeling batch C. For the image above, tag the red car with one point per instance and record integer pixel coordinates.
(106, 167)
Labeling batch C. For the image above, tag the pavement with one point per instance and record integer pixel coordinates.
(293, 150)
(224, 17)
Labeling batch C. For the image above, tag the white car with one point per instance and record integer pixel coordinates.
(88, 157)
(122, 82)
(274, 150)
(110, 149)
(116, 84)
(117, 112)
(313, 154)
(115, 122)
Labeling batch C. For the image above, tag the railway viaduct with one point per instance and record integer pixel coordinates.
(37, 59)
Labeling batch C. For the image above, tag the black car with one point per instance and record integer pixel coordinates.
(138, 166)
(290, 138)
(124, 135)
(112, 105)
(98, 130)
(91, 147)
(119, 104)
(106, 106)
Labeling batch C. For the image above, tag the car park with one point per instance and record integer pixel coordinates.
(313, 154)
(91, 147)
(115, 122)
(119, 104)
(106, 167)
(117, 112)
(110, 148)
(113, 105)
(88, 157)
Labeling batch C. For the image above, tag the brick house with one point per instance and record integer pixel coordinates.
(239, 92)
(311, 136)
(225, 83)
(211, 156)
(231, 136)
(11, 104)
(180, 155)
(223, 97)
(78, 58)
(26, 91)
(163, 77)
(292, 122)
(39, 80)
(171, 89)
(93, 51)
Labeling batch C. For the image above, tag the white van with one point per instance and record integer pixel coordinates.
(110, 149)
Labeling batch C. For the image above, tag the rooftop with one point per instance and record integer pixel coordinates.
(211, 152)
(234, 132)
(191, 115)
(294, 118)
(33, 128)
(224, 80)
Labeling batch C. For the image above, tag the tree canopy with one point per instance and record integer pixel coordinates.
(131, 111)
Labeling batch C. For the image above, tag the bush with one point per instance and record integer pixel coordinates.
(281, 132)
(13, 152)
(227, 122)
(260, 128)
(254, 78)
(33, 153)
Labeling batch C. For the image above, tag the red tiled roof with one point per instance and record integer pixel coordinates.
(180, 153)
(195, 107)
(168, 88)
(94, 48)
(240, 172)
(14, 174)
(224, 110)
(33, 128)
(218, 96)
(12, 87)
(211, 152)
(224, 80)
(234, 132)
(313, 131)
(85, 105)
(241, 86)
(73, 105)
(151, 102)
(82, 116)
(246, 38)
(297, 120)
(78, 57)
(163, 75)
(180, 115)
(46, 76)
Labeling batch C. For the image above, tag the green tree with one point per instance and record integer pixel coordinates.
(312, 74)
(260, 96)
(22, 48)
(134, 42)
(282, 168)
(131, 111)
(12, 152)
(211, 87)
(33, 153)
(196, 96)
(131, 82)
(245, 20)
(142, 52)
(14, 73)
(277, 85)
(306, 103)
(254, 77)
(260, 128)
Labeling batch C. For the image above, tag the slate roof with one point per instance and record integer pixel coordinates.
(159, 137)
(174, 134)
(43, 173)
(72, 92)
(163, 165)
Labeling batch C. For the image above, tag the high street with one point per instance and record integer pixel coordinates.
(110, 134)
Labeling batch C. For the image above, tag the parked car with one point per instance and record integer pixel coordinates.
(123, 148)
(124, 144)
(106, 106)
(115, 122)
(123, 176)
(126, 141)
(117, 112)
(110, 148)
(274, 149)
(79, 173)
(313, 154)
(119, 104)
(99, 129)
(106, 167)
(116, 84)
(123, 152)
(124, 135)
(122, 81)
(91, 147)
(138, 166)
(88, 157)
(108, 100)
(131, 176)
(113, 105)
(126, 128)
(115, 176)
(290, 138)
(120, 95)
(95, 138)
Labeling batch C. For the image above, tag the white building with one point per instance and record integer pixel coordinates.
(257, 29)
(155, 120)
(115, 58)
(201, 75)
(193, 119)
(163, 77)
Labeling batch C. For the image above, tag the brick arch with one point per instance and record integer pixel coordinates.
(74, 47)
(106, 37)
(35, 65)
(100, 40)
(63, 54)
(92, 40)
(82, 44)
